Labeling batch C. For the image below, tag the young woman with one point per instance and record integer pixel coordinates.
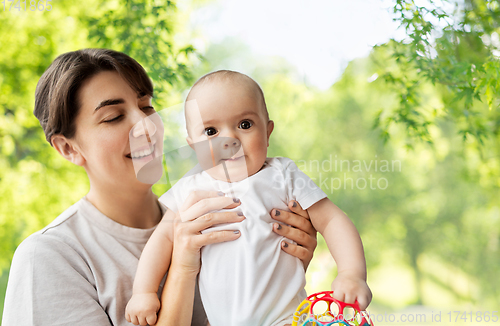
(79, 269)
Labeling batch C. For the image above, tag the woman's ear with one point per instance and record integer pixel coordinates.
(270, 128)
(67, 149)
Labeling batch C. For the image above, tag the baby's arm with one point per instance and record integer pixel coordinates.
(153, 265)
(345, 245)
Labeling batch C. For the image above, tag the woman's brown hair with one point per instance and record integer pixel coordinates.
(56, 96)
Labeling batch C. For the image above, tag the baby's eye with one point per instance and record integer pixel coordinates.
(210, 131)
(245, 124)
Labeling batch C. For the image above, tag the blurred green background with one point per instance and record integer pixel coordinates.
(406, 142)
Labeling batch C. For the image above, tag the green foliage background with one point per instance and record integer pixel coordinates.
(429, 102)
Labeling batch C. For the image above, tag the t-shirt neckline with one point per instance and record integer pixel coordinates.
(106, 224)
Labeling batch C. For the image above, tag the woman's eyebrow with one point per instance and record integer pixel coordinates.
(109, 102)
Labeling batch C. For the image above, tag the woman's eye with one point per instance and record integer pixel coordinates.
(210, 131)
(114, 119)
(246, 124)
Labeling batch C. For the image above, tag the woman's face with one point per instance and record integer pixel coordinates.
(110, 112)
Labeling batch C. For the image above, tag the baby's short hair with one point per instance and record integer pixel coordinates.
(223, 75)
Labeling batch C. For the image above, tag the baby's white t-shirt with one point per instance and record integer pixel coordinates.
(251, 281)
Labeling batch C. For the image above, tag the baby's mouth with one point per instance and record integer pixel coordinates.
(232, 159)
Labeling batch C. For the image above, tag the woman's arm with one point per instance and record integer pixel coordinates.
(49, 284)
(178, 293)
(300, 230)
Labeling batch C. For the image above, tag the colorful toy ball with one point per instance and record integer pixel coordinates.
(321, 308)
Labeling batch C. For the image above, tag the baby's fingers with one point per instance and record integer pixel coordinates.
(142, 321)
(349, 297)
(134, 320)
(363, 303)
(344, 296)
(151, 319)
(364, 300)
(338, 294)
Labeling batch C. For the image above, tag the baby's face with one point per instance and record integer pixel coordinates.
(231, 114)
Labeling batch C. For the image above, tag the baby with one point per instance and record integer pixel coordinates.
(249, 281)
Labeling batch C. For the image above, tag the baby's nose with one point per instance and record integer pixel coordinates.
(231, 143)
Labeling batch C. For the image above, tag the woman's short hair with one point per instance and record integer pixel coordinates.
(56, 96)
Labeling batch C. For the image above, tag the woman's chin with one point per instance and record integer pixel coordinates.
(151, 172)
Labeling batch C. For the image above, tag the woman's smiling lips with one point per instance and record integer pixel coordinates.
(142, 152)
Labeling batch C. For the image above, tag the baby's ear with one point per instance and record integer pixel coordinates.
(190, 142)
(67, 149)
(270, 128)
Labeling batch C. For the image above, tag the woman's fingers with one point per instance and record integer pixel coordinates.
(189, 239)
(295, 250)
(205, 205)
(211, 219)
(301, 231)
(198, 195)
(300, 237)
(216, 237)
(297, 218)
(196, 216)
(297, 209)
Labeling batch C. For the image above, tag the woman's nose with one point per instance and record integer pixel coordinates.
(144, 127)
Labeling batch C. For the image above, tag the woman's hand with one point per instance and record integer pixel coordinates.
(192, 218)
(300, 230)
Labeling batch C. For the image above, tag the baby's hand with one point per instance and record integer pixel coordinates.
(142, 309)
(348, 288)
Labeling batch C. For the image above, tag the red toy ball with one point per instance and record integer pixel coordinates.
(322, 309)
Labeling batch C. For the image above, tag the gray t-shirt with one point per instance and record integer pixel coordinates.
(78, 270)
